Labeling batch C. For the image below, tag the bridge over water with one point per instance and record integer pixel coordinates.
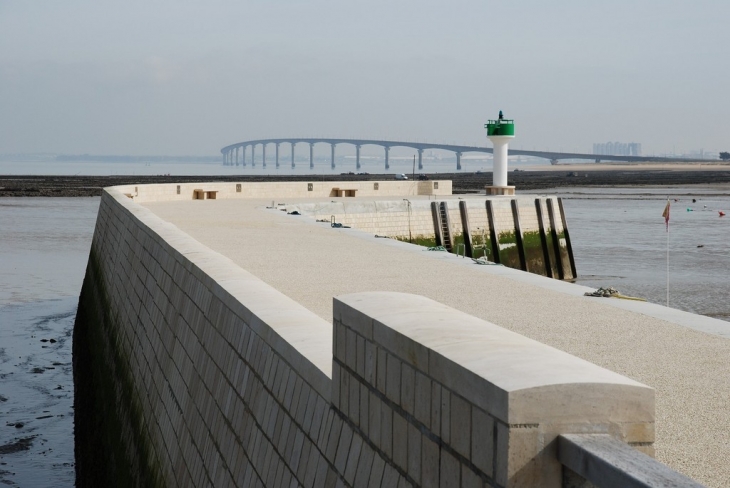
(235, 154)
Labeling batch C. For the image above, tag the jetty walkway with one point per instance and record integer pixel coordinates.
(311, 262)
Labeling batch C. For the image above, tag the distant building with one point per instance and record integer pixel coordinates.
(617, 148)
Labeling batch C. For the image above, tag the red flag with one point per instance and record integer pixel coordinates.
(665, 214)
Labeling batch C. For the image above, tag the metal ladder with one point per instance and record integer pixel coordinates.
(445, 227)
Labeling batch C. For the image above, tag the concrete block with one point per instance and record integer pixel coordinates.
(482, 441)
(351, 354)
(436, 408)
(408, 388)
(414, 453)
(381, 369)
(400, 441)
(319, 413)
(309, 411)
(386, 430)
(343, 448)
(322, 469)
(370, 362)
(353, 459)
(445, 415)
(460, 426)
(374, 413)
(340, 341)
(296, 453)
(376, 473)
(353, 319)
(360, 363)
(469, 479)
(364, 410)
(393, 373)
(390, 477)
(334, 437)
(336, 384)
(422, 401)
(301, 467)
(450, 470)
(429, 463)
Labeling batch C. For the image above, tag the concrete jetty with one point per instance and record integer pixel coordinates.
(228, 361)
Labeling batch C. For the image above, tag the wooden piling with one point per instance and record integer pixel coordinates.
(568, 245)
(468, 249)
(493, 233)
(556, 241)
(543, 239)
(518, 236)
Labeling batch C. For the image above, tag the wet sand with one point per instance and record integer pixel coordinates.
(542, 177)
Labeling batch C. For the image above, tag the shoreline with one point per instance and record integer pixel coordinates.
(560, 176)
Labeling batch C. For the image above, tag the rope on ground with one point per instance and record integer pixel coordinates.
(437, 248)
(483, 260)
(611, 292)
(337, 225)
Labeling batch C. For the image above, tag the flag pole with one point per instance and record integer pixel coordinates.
(667, 254)
(665, 214)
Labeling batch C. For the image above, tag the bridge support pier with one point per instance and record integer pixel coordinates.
(333, 155)
(243, 156)
(553, 162)
(458, 161)
(237, 156)
(253, 155)
(311, 155)
(263, 149)
(420, 159)
(277, 155)
(293, 145)
(387, 154)
(357, 157)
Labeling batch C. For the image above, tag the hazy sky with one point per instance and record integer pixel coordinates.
(188, 77)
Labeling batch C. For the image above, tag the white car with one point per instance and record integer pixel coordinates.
(401, 176)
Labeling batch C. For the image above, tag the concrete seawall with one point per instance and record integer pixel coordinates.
(190, 371)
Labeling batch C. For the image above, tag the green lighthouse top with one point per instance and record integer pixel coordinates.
(500, 127)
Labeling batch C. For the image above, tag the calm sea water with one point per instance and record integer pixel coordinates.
(44, 246)
(344, 164)
(620, 239)
(618, 235)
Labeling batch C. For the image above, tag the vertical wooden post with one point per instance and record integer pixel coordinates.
(493, 233)
(543, 239)
(568, 245)
(556, 241)
(518, 236)
(468, 250)
(436, 223)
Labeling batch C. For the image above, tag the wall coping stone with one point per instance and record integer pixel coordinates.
(516, 379)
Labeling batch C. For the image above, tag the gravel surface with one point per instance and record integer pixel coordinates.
(312, 262)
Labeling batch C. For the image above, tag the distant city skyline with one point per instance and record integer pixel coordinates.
(187, 78)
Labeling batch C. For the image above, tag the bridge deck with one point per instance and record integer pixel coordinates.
(311, 262)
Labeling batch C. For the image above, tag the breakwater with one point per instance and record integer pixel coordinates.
(191, 371)
(524, 233)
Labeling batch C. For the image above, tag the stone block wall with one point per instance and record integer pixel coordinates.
(189, 371)
(451, 400)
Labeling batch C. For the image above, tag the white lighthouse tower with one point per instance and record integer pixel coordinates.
(500, 132)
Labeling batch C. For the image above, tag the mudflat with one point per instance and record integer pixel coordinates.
(591, 174)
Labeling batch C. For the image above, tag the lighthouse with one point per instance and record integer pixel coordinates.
(500, 132)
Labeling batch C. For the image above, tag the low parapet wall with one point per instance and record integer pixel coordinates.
(283, 189)
(190, 371)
